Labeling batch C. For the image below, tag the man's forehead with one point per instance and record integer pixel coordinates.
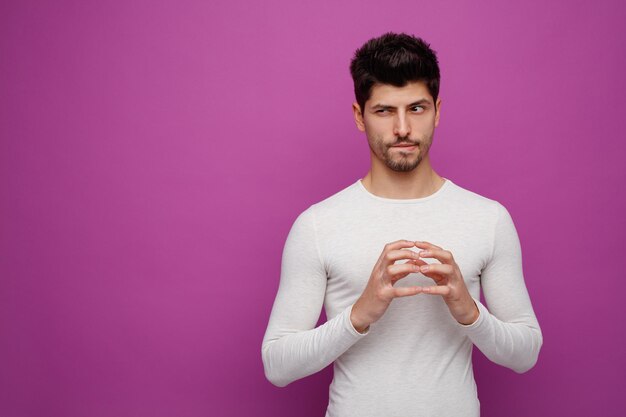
(387, 94)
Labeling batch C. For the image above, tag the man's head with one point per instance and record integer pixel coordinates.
(394, 59)
(396, 83)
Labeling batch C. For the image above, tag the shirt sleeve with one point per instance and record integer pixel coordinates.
(292, 346)
(508, 332)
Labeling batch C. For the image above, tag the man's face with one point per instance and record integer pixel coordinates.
(399, 123)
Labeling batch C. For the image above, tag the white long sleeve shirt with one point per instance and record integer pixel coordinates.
(416, 360)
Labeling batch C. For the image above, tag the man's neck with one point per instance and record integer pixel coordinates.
(421, 182)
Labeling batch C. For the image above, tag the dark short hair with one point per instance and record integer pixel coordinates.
(395, 59)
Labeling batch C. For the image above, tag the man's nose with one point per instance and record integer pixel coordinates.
(401, 126)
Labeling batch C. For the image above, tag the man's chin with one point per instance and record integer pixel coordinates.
(403, 165)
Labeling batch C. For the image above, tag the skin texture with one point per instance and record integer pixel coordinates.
(392, 117)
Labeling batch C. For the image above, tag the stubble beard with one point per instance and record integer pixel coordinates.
(405, 161)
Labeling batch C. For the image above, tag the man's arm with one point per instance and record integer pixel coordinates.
(292, 347)
(508, 333)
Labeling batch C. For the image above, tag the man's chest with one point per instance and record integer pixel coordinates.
(351, 249)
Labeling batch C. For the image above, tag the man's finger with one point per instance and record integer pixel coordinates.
(443, 256)
(436, 290)
(437, 269)
(406, 291)
(398, 244)
(397, 271)
(426, 245)
(395, 255)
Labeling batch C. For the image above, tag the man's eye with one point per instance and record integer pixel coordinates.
(382, 111)
(417, 109)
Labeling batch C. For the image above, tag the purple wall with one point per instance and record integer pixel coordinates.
(154, 155)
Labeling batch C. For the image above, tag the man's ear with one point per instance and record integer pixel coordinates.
(358, 117)
(438, 110)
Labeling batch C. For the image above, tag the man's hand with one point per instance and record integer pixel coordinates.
(380, 291)
(449, 280)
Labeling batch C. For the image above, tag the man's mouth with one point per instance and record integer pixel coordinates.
(405, 146)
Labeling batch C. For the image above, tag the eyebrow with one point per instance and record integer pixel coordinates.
(415, 103)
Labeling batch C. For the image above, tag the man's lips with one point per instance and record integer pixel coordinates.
(406, 146)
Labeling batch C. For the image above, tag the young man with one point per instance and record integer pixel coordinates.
(398, 260)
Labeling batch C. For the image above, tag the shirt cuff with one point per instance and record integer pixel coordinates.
(482, 312)
(348, 323)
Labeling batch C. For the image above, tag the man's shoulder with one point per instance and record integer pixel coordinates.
(472, 197)
(341, 202)
(346, 196)
(475, 203)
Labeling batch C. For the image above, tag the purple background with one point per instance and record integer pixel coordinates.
(154, 155)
